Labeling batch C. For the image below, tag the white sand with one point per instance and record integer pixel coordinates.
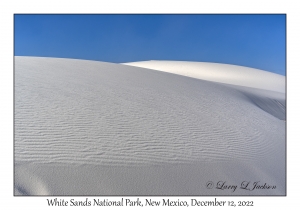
(95, 128)
(217, 72)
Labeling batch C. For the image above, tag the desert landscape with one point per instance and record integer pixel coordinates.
(85, 127)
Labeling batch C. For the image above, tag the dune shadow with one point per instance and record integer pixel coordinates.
(275, 107)
(27, 183)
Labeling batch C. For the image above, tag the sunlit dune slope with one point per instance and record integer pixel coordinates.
(217, 72)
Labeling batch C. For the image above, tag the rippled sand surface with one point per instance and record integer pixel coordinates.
(94, 128)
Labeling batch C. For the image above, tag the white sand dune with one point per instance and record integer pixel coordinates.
(94, 128)
(217, 72)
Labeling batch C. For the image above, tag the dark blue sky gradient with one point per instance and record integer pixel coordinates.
(257, 41)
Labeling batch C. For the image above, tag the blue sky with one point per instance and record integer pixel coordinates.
(257, 41)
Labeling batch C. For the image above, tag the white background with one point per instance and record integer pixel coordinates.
(9, 8)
